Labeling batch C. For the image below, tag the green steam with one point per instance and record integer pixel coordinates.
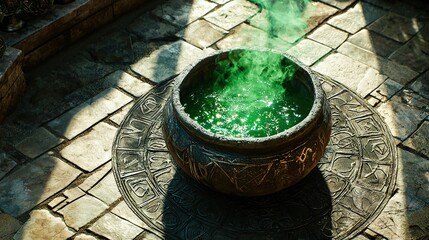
(246, 96)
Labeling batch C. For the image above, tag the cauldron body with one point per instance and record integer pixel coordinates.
(245, 166)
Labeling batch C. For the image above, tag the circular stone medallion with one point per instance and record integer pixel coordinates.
(337, 200)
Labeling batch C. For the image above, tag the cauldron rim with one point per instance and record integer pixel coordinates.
(298, 132)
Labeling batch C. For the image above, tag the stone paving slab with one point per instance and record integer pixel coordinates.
(92, 150)
(232, 14)
(361, 78)
(411, 55)
(308, 51)
(386, 90)
(115, 228)
(399, 73)
(96, 176)
(89, 113)
(43, 225)
(374, 42)
(82, 211)
(106, 190)
(39, 142)
(183, 12)
(167, 61)
(421, 85)
(419, 140)
(357, 17)
(9, 226)
(339, 4)
(202, 34)
(6, 164)
(128, 83)
(33, 183)
(328, 35)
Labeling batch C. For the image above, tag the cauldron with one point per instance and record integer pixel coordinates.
(248, 166)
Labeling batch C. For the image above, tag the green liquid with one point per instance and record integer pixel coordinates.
(248, 99)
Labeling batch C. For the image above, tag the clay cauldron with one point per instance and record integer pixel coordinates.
(245, 166)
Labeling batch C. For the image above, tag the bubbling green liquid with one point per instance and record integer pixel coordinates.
(250, 94)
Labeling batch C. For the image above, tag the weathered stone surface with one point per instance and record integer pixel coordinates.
(119, 116)
(339, 4)
(115, 228)
(360, 237)
(113, 48)
(167, 61)
(82, 211)
(330, 36)
(401, 118)
(232, 14)
(248, 36)
(147, 28)
(412, 54)
(360, 78)
(419, 140)
(312, 15)
(56, 201)
(95, 177)
(396, 27)
(386, 90)
(220, 1)
(9, 226)
(202, 34)
(128, 83)
(43, 225)
(421, 85)
(39, 142)
(106, 190)
(80, 118)
(357, 17)
(397, 72)
(372, 100)
(33, 183)
(123, 211)
(411, 98)
(92, 150)
(6, 164)
(308, 51)
(374, 42)
(408, 208)
(183, 12)
(84, 236)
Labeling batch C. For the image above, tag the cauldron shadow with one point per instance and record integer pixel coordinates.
(192, 211)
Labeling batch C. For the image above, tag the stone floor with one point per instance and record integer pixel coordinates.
(56, 180)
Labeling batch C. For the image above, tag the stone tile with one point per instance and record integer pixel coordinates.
(360, 78)
(397, 72)
(120, 115)
(329, 36)
(183, 12)
(9, 226)
(106, 190)
(339, 4)
(80, 118)
(294, 25)
(396, 27)
(149, 28)
(357, 17)
(308, 51)
(33, 183)
(372, 100)
(401, 118)
(112, 48)
(408, 207)
(374, 42)
(95, 177)
(39, 142)
(232, 14)
(167, 61)
(6, 164)
(411, 98)
(73, 194)
(419, 140)
(56, 201)
(248, 36)
(128, 83)
(92, 150)
(115, 228)
(43, 225)
(82, 211)
(412, 54)
(122, 210)
(421, 85)
(202, 34)
(220, 1)
(84, 236)
(386, 90)
(360, 237)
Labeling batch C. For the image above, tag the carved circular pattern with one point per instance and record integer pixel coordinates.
(337, 200)
(37, 7)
